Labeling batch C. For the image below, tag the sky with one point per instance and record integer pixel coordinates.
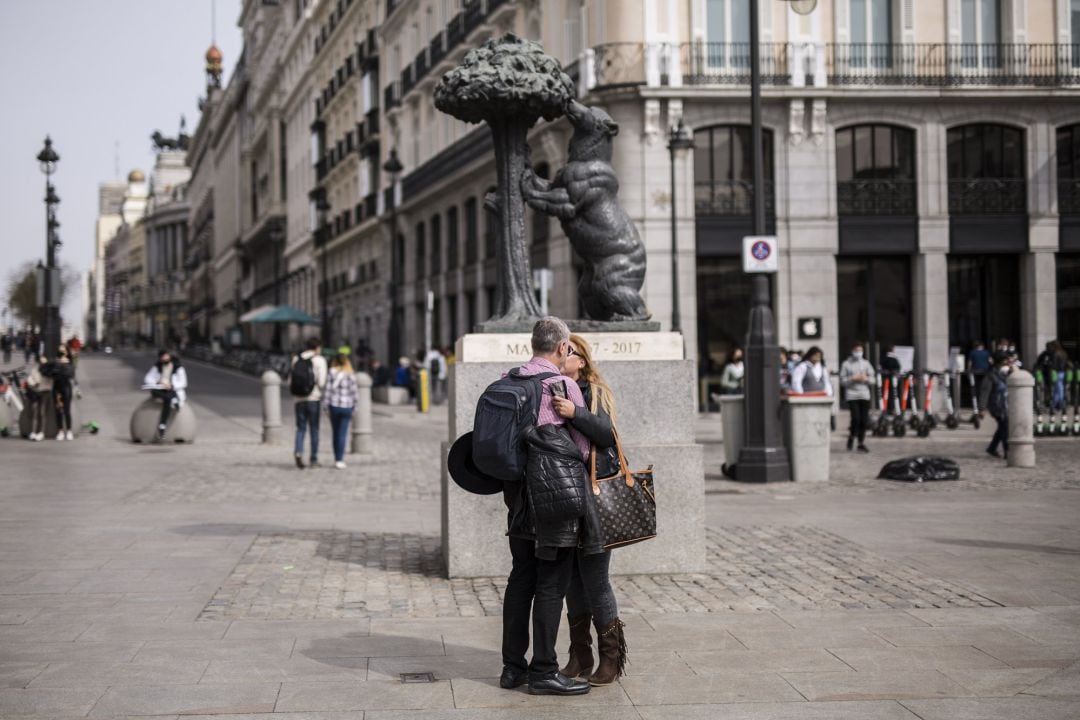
(98, 76)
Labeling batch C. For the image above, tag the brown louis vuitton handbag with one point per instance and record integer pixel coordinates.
(625, 502)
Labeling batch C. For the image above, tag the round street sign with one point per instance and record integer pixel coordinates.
(760, 254)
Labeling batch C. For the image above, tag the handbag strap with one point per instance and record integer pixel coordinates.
(623, 464)
(592, 471)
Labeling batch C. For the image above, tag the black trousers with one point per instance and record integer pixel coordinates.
(860, 418)
(540, 585)
(62, 401)
(1001, 435)
(166, 397)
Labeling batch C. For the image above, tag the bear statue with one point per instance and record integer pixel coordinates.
(583, 196)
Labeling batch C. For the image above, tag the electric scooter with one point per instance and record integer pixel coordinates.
(882, 386)
(952, 417)
(926, 422)
(899, 427)
(1073, 384)
(1063, 411)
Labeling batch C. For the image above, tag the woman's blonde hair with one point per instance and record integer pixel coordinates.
(601, 391)
(341, 362)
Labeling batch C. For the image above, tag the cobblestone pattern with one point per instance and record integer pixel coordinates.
(857, 472)
(334, 574)
(405, 466)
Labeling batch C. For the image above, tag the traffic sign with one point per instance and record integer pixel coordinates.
(761, 254)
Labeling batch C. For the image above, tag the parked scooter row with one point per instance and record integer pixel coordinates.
(1052, 415)
(906, 401)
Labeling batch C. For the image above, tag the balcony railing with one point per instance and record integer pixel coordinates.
(988, 196)
(392, 95)
(876, 196)
(846, 64)
(731, 197)
(1069, 196)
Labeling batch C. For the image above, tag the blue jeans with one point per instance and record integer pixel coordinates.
(307, 413)
(339, 425)
(1057, 401)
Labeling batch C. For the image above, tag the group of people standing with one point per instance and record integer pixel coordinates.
(51, 384)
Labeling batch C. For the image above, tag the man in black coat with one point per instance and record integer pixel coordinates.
(542, 553)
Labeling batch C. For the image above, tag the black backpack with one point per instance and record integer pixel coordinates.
(506, 409)
(302, 378)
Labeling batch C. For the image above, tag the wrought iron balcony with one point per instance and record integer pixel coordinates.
(455, 30)
(392, 95)
(988, 196)
(474, 15)
(731, 197)
(876, 196)
(845, 64)
(371, 205)
(437, 50)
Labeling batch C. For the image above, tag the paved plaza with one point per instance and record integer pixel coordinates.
(218, 580)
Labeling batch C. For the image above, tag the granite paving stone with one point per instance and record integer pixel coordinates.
(851, 710)
(995, 709)
(486, 693)
(761, 661)
(963, 635)
(18, 675)
(916, 658)
(682, 690)
(187, 699)
(99, 674)
(295, 669)
(48, 702)
(998, 683)
(882, 685)
(371, 695)
(1033, 656)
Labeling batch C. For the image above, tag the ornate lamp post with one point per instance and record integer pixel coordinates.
(763, 458)
(680, 141)
(50, 325)
(394, 167)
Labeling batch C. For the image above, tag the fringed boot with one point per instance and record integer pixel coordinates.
(611, 646)
(580, 656)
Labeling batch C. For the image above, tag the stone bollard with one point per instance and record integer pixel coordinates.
(271, 407)
(361, 420)
(1021, 421)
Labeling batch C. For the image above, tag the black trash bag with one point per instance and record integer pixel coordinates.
(920, 468)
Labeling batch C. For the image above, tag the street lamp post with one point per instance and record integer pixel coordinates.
(322, 205)
(763, 458)
(394, 167)
(50, 326)
(680, 140)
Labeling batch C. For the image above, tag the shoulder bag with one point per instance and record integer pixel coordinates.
(625, 502)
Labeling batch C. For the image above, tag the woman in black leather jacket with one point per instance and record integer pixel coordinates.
(590, 597)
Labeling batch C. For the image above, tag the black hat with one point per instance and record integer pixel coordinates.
(464, 471)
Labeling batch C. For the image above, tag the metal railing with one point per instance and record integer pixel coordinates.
(844, 64)
(987, 196)
(731, 197)
(876, 196)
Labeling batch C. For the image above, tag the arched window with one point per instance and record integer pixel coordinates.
(1068, 166)
(986, 170)
(875, 170)
(723, 171)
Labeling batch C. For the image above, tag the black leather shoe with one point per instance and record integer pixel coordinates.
(512, 678)
(557, 684)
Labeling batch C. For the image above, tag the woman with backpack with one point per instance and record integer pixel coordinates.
(340, 400)
(590, 597)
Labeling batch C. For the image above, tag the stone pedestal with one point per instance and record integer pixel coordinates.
(390, 395)
(653, 388)
(1021, 421)
(807, 430)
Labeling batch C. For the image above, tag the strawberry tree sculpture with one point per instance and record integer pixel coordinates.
(509, 83)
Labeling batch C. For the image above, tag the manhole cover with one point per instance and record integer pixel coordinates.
(424, 677)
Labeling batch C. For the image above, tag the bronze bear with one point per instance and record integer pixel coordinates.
(583, 197)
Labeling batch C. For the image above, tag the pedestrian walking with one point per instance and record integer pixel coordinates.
(403, 376)
(7, 343)
(590, 599)
(810, 375)
(341, 395)
(998, 405)
(857, 379)
(543, 532)
(731, 379)
(167, 382)
(307, 380)
(63, 377)
(435, 361)
(38, 395)
(1052, 364)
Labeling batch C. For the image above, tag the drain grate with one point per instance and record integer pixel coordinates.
(422, 677)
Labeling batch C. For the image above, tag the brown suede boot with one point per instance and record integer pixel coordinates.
(581, 659)
(611, 646)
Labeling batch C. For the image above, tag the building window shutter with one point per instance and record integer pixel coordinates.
(843, 29)
(765, 21)
(907, 21)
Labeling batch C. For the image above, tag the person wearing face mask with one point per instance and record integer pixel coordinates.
(731, 381)
(998, 405)
(810, 376)
(857, 377)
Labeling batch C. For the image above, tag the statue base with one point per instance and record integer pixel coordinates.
(655, 412)
(578, 326)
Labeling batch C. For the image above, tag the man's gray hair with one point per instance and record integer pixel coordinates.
(547, 333)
